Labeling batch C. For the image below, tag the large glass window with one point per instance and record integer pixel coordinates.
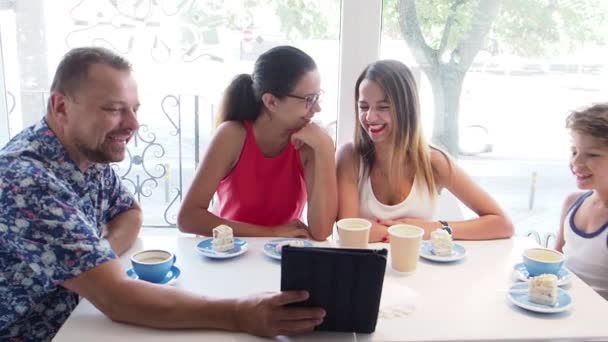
(184, 54)
(497, 80)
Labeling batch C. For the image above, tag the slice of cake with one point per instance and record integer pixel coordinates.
(442, 242)
(293, 243)
(223, 240)
(543, 289)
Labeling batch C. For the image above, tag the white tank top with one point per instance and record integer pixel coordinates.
(586, 254)
(418, 204)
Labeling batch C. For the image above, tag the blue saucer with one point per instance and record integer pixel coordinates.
(426, 251)
(520, 298)
(173, 274)
(564, 277)
(270, 247)
(205, 247)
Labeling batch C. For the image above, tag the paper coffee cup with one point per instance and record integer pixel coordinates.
(405, 243)
(354, 232)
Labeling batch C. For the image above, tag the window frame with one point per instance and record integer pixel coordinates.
(360, 34)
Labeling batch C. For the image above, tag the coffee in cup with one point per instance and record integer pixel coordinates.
(542, 261)
(152, 265)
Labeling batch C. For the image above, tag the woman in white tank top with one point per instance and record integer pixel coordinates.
(391, 175)
(583, 233)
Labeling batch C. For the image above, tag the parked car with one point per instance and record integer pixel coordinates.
(474, 139)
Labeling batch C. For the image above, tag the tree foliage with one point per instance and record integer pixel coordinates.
(445, 37)
(529, 28)
(543, 28)
(303, 19)
(299, 19)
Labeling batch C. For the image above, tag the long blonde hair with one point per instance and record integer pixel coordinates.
(409, 145)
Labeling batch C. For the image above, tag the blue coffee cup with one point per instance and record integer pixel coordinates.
(543, 261)
(152, 265)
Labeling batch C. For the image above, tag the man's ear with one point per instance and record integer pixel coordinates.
(57, 105)
(270, 101)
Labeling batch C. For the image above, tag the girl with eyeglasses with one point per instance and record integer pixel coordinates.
(267, 159)
(391, 175)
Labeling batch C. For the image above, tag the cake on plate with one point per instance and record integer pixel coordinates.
(223, 239)
(293, 243)
(543, 289)
(442, 242)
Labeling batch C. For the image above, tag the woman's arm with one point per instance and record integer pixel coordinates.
(348, 190)
(347, 175)
(492, 222)
(222, 155)
(317, 152)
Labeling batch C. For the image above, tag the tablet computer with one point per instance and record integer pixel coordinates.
(347, 283)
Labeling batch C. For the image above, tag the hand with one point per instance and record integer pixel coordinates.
(294, 229)
(428, 226)
(267, 315)
(312, 135)
(378, 232)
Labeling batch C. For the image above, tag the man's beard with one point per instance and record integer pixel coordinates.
(102, 154)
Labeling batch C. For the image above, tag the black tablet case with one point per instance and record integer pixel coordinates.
(347, 283)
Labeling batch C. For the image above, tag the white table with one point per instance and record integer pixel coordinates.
(463, 301)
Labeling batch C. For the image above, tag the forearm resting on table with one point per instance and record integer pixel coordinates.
(323, 203)
(201, 221)
(161, 306)
(123, 229)
(138, 302)
(483, 228)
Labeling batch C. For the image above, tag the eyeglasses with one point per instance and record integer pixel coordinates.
(310, 100)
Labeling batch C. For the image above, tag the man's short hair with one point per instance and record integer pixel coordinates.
(74, 67)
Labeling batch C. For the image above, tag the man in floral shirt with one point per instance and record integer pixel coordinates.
(64, 209)
(64, 216)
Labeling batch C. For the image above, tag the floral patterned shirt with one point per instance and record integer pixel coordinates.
(51, 219)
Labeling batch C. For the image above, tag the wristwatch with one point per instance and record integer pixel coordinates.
(445, 226)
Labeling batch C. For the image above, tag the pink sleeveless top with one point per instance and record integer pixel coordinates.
(261, 190)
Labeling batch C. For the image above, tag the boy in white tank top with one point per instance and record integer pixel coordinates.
(583, 233)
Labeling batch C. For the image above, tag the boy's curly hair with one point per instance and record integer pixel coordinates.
(592, 121)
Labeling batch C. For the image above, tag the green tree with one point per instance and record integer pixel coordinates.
(303, 19)
(445, 36)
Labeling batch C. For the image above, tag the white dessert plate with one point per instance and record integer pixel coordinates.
(205, 247)
(270, 247)
(426, 251)
(564, 277)
(521, 299)
(169, 279)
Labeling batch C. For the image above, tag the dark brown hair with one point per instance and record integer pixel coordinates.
(277, 71)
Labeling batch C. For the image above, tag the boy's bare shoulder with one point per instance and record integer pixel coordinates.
(571, 198)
